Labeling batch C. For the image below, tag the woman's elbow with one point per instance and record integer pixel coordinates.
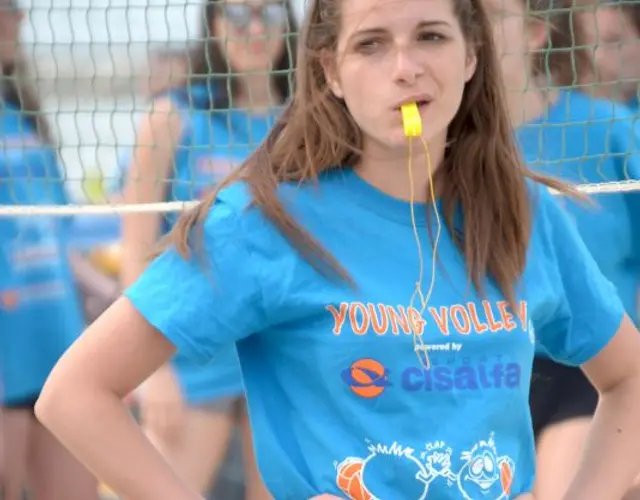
(48, 407)
(56, 399)
(63, 394)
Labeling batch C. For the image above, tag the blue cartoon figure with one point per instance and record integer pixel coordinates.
(485, 475)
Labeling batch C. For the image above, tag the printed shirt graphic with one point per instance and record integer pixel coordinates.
(35, 277)
(587, 140)
(338, 399)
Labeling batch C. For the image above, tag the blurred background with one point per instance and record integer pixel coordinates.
(95, 65)
(93, 62)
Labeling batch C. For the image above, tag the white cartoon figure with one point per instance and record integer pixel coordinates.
(485, 475)
(376, 476)
(437, 462)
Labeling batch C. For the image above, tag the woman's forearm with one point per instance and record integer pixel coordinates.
(611, 460)
(140, 234)
(91, 280)
(100, 432)
(135, 260)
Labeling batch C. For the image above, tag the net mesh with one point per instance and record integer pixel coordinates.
(94, 64)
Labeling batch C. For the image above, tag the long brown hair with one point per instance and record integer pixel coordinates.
(482, 174)
(17, 90)
(206, 63)
(562, 60)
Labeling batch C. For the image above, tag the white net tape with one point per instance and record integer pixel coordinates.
(92, 59)
(167, 207)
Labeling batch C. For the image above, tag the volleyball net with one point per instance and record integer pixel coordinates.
(95, 65)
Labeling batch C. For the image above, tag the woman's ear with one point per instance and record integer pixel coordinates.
(472, 64)
(537, 38)
(331, 74)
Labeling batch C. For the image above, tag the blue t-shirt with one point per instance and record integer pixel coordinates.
(337, 398)
(40, 311)
(585, 141)
(212, 144)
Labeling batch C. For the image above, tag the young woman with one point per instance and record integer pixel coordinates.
(382, 358)
(610, 31)
(581, 140)
(194, 135)
(40, 313)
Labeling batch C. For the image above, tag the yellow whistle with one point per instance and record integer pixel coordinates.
(411, 120)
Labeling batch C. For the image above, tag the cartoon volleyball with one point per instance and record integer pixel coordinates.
(349, 478)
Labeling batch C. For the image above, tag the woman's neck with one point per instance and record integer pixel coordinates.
(530, 104)
(396, 172)
(256, 93)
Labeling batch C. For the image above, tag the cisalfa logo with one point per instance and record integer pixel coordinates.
(369, 378)
(366, 378)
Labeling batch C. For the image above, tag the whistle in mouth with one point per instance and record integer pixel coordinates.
(411, 120)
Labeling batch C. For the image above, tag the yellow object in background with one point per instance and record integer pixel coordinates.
(107, 258)
(93, 186)
(411, 120)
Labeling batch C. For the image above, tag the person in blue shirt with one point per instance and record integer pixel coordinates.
(385, 294)
(610, 33)
(40, 313)
(582, 140)
(195, 134)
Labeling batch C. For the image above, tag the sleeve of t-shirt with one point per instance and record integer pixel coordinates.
(587, 312)
(627, 150)
(633, 203)
(625, 146)
(210, 299)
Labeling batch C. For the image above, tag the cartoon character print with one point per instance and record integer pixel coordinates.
(485, 474)
(386, 465)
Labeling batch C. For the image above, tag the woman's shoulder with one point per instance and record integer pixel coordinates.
(189, 96)
(599, 127)
(544, 205)
(16, 125)
(238, 196)
(596, 110)
(235, 206)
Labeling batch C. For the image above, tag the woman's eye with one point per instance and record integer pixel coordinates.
(430, 37)
(369, 45)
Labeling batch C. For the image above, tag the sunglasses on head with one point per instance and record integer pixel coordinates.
(240, 15)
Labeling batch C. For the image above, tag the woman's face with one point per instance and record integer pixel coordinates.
(391, 52)
(614, 44)
(10, 22)
(251, 33)
(516, 37)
